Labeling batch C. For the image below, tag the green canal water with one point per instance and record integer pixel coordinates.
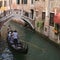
(39, 48)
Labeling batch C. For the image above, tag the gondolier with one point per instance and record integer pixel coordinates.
(19, 47)
(15, 37)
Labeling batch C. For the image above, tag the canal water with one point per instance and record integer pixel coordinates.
(38, 47)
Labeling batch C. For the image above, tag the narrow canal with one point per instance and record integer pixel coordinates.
(39, 48)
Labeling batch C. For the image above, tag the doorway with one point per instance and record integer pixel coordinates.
(32, 13)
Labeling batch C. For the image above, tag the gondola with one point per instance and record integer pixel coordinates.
(21, 47)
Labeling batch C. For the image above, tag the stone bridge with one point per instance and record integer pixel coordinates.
(30, 21)
(18, 16)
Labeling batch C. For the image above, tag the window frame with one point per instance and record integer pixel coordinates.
(51, 20)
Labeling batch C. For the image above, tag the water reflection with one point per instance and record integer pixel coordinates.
(7, 54)
(19, 57)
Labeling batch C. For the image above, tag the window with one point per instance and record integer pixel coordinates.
(18, 1)
(43, 0)
(32, 13)
(31, 1)
(0, 4)
(51, 19)
(43, 15)
(57, 27)
(36, 0)
(26, 14)
(4, 3)
(22, 1)
(25, 1)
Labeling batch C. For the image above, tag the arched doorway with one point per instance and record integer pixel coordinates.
(32, 13)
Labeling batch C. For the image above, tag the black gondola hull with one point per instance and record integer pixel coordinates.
(22, 48)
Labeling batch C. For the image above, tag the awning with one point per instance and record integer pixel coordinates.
(57, 18)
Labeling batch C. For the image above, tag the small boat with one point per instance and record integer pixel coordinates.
(21, 47)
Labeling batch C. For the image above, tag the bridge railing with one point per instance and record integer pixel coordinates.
(4, 17)
(28, 20)
(4, 13)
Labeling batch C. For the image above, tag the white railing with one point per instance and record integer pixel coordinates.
(26, 19)
(17, 16)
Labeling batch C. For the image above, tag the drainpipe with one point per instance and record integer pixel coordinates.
(34, 15)
(46, 24)
(34, 19)
(29, 13)
(10, 5)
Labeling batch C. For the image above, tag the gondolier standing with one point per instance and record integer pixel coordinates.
(15, 37)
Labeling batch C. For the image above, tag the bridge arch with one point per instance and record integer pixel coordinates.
(28, 22)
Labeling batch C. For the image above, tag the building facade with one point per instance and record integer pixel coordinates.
(41, 11)
(4, 5)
